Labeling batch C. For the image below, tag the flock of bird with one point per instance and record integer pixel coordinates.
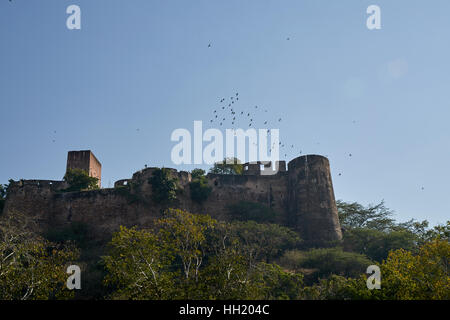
(229, 114)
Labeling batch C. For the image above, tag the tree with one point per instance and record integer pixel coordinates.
(164, 187)
(278, 284)
(327, 261)
(228, 166)
(136, 266)
(424, 276)
(263, 242)
(31, 268)
(185, 232)
(377, 244)
(404, 276)
(371, 230)
(199, 188)
(355, 215)
(79, 180)
(191, 256)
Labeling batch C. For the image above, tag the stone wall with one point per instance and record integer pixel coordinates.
(302, 198)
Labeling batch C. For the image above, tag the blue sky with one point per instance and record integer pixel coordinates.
(137, 70)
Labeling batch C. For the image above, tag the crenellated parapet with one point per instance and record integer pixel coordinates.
(302, 197)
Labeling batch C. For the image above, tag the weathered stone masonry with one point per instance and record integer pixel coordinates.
(302, 197)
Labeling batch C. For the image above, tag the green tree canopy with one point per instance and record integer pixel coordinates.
(404, 276)
(355, 215)
(79, 180)
(164, 186)
(192, 256)
(197, 173)
(327, 261)
(31, 268)
(199, 188)
(228, 166)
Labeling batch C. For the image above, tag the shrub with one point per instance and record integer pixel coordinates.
(79, 180)
(228, 166)
(200, 190)
(197, 173)
(328, 261)
(376, 244)
(164, 187)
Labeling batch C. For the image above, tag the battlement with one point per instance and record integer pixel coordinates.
(53, 185)
(302, 196)
(264, 168)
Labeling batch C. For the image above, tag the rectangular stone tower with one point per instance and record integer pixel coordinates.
(86, 161)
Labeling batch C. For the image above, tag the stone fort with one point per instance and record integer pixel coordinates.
(300, 194)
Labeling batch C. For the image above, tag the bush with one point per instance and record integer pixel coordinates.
(197, 173)
(200, 190)
(328, 261)
(164, 187)
(245, 210)
(228, 166)
(263, 241)
(79, 180)
(377, 244)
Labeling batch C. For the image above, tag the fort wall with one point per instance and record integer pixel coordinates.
(302, 198)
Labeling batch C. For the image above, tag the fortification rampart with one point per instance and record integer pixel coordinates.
(302, 197)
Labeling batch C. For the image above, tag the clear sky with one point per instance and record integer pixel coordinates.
(137, 70)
